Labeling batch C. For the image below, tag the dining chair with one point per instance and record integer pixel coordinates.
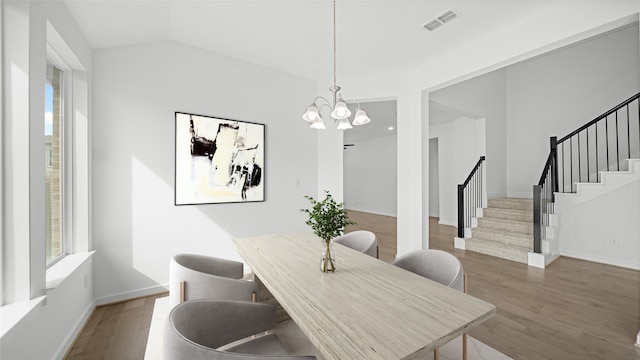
(223, 330)
(360, 240)
(441, 267)
(193, 276)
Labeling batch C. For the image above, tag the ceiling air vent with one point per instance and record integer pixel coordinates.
(442, 19)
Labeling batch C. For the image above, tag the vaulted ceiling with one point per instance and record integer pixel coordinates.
(295, 36)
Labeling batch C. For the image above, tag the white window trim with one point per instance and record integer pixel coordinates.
(66, 157)
(75, 234)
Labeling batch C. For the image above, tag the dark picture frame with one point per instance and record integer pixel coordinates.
(218, 160)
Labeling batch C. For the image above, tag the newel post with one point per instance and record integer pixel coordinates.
(553, 142)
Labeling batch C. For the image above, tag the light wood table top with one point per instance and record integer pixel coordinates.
(367, 309)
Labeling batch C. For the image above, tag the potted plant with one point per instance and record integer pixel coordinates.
(327, 219)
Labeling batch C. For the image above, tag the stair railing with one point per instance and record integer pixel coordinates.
(600, 145)
(470, 197)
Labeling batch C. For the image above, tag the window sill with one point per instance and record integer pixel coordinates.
(12, 314)
(57, 273)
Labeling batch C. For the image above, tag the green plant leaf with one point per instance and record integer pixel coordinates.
(327, 218)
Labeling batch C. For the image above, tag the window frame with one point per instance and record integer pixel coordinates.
(66, 156)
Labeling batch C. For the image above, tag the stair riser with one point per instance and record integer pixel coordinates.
(520, 204)
(520, 227)
(504, 253)
(507, 239)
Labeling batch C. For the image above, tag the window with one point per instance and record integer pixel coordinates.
(53, 132)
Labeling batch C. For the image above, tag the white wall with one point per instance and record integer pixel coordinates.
(49, 330)
(460, 146)
(370, 176)
(508, 45)
(434, 178)
(585, 230)
(554, 94)
(483, 97)
(136, 226)
(528, 102)
(53, 325)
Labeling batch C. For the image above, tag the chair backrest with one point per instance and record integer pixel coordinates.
(207, 277)
(210, 265)
(213, 323)
(196, 328)
(360, 240)
(437, 265)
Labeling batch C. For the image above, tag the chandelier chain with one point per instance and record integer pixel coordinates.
(334, 42)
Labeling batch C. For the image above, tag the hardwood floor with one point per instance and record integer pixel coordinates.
(117, 331)
(572, 310)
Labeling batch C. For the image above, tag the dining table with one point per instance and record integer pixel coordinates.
(367, 308)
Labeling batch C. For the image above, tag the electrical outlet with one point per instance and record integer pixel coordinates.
(613, 242)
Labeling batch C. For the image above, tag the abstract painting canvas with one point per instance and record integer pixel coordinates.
(218, 160)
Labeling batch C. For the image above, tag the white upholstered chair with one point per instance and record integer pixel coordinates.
(193, 276)
(223, 330)
(360, 240)
(441, 267)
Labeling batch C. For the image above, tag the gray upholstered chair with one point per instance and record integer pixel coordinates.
(360, 240)
(221, 329)
(441, 267)
(193, 276)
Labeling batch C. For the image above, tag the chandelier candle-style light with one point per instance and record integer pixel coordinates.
(339, 111)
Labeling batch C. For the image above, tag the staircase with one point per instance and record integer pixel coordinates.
(608, 181)
(594, 160)
(505, 230)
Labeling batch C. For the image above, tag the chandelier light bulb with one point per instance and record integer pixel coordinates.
(344, 124)
(361, 118)
(318, 125)
(312, 114)
(340, 111)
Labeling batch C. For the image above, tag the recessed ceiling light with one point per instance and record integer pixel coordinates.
(390, 128)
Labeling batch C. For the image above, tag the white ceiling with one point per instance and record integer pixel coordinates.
(295, 36)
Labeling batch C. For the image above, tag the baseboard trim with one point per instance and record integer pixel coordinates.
(373, 212)
(518, 194)
(600, 259)
(496, 195)
(67, 345)
(449, 223)
(132, 295)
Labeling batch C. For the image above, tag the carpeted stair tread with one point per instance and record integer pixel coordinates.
(509, 226)
(505, 229)
(508, 214)
(498, 249)
(512, 203)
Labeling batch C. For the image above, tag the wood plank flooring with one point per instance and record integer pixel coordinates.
(116, 331)
(572, 310)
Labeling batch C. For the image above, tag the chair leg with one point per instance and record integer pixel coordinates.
(182, 284)
(436, 354)
(377, 252)
(464, 346)
(464, 335)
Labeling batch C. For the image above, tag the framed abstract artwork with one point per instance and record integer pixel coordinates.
(218, 160)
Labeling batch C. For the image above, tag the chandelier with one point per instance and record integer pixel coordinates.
(340, 113)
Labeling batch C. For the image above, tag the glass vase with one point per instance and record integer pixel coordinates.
(327, 261)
